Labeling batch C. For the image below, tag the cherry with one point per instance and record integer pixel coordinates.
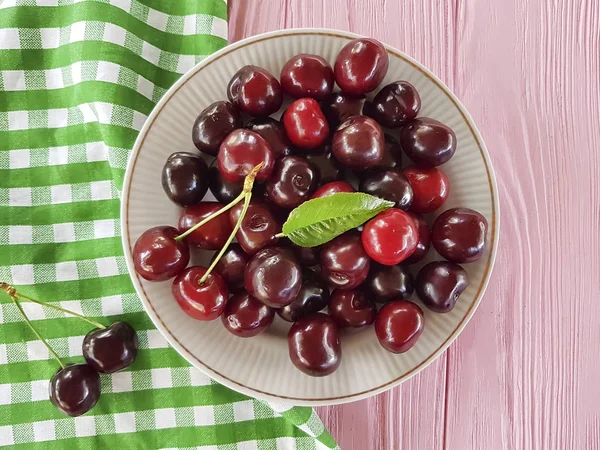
(223, 190)
(399, 325)
(358, 143)
(306, 256)
(388, 184)
(333, 187)
(185, 178)
(305, 123)
(427, 142)
(328, 166)
(258, 229)
(392, 153)
(351, 308)
(387, 283)
(204, 301)
(273, 276)
(231, 267)
(212, 235)
(307, 75)
(395, 104)
(390, 237)
(157, 256)
(213, 125)
(255, 91)
(338, 107)
(274, 133)
(245, 316)
(424, 239)
(112, 348)
(293, 180)
(430, 186)
(344, 262)
(312, 298)
(361, 66)
(75, 389)
(241, 152)
(314, 345)
(459, 235)
(439, 284)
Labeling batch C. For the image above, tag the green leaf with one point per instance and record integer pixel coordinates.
(320, 220)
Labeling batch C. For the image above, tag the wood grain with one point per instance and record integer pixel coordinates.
(524, 373)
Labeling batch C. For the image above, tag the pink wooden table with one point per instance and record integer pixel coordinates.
(525, 373)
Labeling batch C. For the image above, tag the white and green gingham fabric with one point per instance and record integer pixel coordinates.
(77, 80)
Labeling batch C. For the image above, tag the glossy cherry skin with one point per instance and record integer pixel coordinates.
(338, 107)
(333, 187)
(255, 91)
(399, 325)
(112, 348)
(329, 168)
(361, 66)
(246, 317)
(305, 124)
(314, 345)
(204, 301)
(306, 256)
(358, 143)
(387, 283)
(157, 256)
(388, 184)
(231, 267)
(273, 276)
(292, 182)
(213, 125)
(427, 142)
(75, 389)
(223, 190)
(392, 153)
(344, 262)
(274, 133)
(424, 239)
(351, 308)
(312, 298)
(307, 75)
(459, 235)
(390, 237)
(430, 186)
(258, 229)
(185, 178)
(439, 284)
(241, 152)
(213, 234)
(395, 104)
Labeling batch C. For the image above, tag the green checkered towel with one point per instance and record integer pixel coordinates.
(77, 80)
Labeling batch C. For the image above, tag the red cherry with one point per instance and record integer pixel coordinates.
(390, 237)
(245, 316)
(424, 239)
(240, 152)
(157, 256)
(431, 188)
(212, 235)
(331, 188)
(255, 91)
(351, 308)
(361, 66)
(305, 123)
(204, 301)
(398, 326)
(307, 76)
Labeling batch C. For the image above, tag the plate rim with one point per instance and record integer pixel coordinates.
(194, 360)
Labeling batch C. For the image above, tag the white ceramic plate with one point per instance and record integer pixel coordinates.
(260, 366)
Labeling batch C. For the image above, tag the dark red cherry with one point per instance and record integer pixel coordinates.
(75, 389)
(424, 239)
(329, 168)
(351, 308)
(338, 107)
(358, 143)
(305, 123)
(388, 184)
(157, 256)
(459, 235)
(245, 316)
(292, 182)
(185, 178)
(241, 152)
(333, 187)
(439, 284)
(223, 190)
(306, 256)
(213, 125)
(204, 301)
(274, 133)
(399, 325)
(427, 142)
(392, 153)
(258, 229)
(231, 267)
(255, 91)
(430, 186)
(344, 262)
(312, 298)
(314, 345)
(387, 283)
(395, 104)
(213, 234)
(361, 66)
(390, 237)
(307, 75)
(112, 348)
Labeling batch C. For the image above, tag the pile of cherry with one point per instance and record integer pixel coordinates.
(327, 142)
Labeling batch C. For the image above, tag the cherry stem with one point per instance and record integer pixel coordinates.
(58, 308)
(279, 235)
(50, 349)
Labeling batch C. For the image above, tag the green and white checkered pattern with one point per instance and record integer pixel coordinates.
(77, 80)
